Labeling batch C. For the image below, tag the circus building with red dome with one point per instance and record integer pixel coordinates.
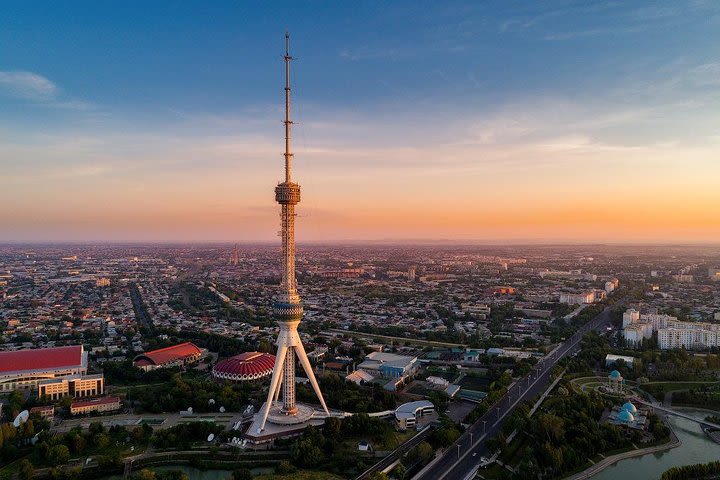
(174, 356)
(245, 367)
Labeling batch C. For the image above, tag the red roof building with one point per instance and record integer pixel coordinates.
(23, 369)
(244, 367)
(47, 411)
(102, 404)
(175, 356)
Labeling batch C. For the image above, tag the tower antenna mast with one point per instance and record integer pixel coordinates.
(288, 122)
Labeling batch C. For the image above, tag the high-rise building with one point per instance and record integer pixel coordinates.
(235, 257)
(411, 273)
(671, 332)
(287, 306)
(714, 274)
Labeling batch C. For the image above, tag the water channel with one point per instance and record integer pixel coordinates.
(696, 448)
(197, 474)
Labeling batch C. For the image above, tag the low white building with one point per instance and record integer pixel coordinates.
(437, 382)
(408, 414)
(688, 338)
(634, 334)
(630, 316)
(577, 298)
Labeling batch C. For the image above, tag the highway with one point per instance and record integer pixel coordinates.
(461, 459)
(396, 454)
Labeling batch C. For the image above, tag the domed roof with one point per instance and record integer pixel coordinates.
(615, 374)
(625, 417)
(246, 366)
(629, 407)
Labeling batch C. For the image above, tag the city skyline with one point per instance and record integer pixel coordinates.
(576, 123)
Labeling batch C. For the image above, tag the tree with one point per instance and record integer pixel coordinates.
(145, 474)
(95, 428)
(306, 453)
(285, 468)
(26, 469)
(551, 426)
(76, 442)
(378, 476)
(101, 440)
(400, 472)
(242, 474)
(58, 455)
(332, 426)
(424, 452)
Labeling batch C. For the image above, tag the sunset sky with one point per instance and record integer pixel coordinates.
(468, 121)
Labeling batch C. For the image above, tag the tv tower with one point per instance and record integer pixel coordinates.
(235, 257)
(287, 306)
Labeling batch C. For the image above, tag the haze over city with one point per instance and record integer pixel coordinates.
(461, 121)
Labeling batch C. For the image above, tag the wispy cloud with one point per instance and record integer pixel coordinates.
(38, 90)
(27, 85)
(366, 53)
(594, 32)
(706, 74)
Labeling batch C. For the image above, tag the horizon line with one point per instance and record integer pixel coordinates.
(376, 242)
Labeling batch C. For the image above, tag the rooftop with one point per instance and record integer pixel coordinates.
(40, 359)
(168, 354)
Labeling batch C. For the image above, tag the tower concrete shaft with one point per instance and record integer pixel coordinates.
(287, 306)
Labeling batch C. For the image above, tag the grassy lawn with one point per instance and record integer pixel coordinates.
(134, 388)
(589, 380)
(475, 383)
(667, 386)
(9, 470)
(300, 475)
(418, 389)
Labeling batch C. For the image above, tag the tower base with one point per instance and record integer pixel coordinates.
(278, 416)
(280, 425)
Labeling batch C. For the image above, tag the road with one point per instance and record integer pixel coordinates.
(397, 453)
(462, 458)
(159, 421)
(141, 314)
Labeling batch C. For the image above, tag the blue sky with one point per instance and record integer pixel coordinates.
(149, 104)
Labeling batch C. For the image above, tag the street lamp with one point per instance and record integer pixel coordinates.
(458, 451)
(484, 422)
(471, 439)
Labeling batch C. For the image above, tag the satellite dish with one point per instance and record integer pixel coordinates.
(189, 410)
(211, 401)
(222, 409)
(211, 437)
(21, 418)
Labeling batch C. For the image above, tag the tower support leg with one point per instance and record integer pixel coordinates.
(277, 374)
(305, 362)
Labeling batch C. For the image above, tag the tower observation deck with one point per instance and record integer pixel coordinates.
(287, 306)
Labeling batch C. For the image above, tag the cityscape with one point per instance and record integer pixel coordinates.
(174, 306)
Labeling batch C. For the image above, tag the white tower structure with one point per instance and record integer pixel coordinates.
(287, 306)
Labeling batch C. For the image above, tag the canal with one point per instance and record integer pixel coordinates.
(197, 474)
(695, 448)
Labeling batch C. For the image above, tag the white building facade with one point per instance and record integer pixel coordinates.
(672, 333)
